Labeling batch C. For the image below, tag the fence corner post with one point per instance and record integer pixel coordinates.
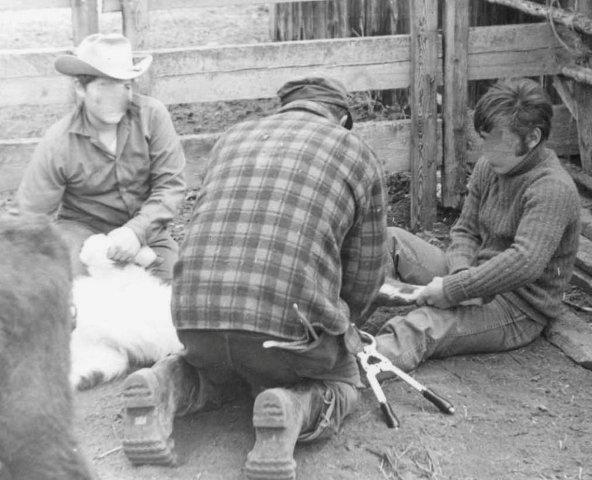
(583, 103)
(454, 109)
(85, 19)
(136, 24)
(422, 93)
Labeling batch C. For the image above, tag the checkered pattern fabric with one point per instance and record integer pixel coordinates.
(292, 211)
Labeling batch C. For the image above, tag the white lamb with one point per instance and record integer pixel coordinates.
(123, 317)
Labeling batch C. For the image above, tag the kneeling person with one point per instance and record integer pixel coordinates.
(514, 244)
(291, 213)
(114, 165)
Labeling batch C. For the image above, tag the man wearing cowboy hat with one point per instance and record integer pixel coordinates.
(287, 246)
(115, 164)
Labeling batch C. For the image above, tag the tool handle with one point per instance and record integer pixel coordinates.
(443, 405)
(389, 416)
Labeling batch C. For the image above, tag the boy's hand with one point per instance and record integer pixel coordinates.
(433, 295)
(124, 244)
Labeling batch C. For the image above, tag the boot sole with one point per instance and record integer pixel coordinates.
(144, 442)
(270, 419)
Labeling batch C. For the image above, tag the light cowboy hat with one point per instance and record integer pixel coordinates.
(103, 56)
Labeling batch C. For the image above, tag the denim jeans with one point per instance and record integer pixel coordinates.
(428, 332)
(75, 233)
(232, 360)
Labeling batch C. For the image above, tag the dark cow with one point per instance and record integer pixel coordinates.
(36, 440)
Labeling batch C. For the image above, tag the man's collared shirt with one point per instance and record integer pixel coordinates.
(292, 211)
(141, 186)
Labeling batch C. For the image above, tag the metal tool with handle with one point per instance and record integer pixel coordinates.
(373, 363)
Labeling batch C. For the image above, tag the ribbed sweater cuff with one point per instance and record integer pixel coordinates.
(454, 287)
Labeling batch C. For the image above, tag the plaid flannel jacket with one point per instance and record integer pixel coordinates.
(292, 211)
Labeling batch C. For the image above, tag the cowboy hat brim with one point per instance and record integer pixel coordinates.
(73, 66)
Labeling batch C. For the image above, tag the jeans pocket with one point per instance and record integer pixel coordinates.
(316, 357)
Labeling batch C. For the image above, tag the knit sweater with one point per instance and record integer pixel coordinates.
(517, 236)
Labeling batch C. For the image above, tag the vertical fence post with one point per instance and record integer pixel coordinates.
(583, 102)
(456, 42)
(85, 19)
(135, 20)
(424, 137)
(136, 23)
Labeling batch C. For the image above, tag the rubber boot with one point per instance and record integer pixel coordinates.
(279, 415)
(152, 398)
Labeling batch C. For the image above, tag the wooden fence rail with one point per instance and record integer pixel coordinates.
(256, 71)
(204, 74)
(389, 139)
(115, 6)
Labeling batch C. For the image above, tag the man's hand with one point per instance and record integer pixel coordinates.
(124, 244)
(433, 295)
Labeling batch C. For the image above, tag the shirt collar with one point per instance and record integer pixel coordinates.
(81, 126)
(308, 106)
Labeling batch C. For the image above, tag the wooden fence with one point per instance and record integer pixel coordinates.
(418, 60)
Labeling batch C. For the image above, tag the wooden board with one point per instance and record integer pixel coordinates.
(573, 336)
(388, 139)
(257, 71)
(582, 279)
(513, 51)
(586, 220)
(32, 4)
(204, 74)
(114, 6)
(422, 97)
(584, 257)
(455, 25)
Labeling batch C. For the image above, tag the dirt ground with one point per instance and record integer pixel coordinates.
(519, 415)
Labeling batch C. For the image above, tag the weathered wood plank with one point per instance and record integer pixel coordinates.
(257, 71)
(135, 19)
(32, 4)
(454, 108)
(388, 139)
(582, 279)
(204, 74)
(578, 73)
(586, 220)
(564, 133)
(578, 21)
(114, 6)
(582, 180)
(573, 336)
(233, 72)
(584, 256)
(422, 97)
(85, 19)
(513, 50)
(583, 101)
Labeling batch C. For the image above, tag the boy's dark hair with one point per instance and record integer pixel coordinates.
(521, 102)
(86, 79)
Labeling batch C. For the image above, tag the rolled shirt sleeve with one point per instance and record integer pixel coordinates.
(167, 179)
(43, 184)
